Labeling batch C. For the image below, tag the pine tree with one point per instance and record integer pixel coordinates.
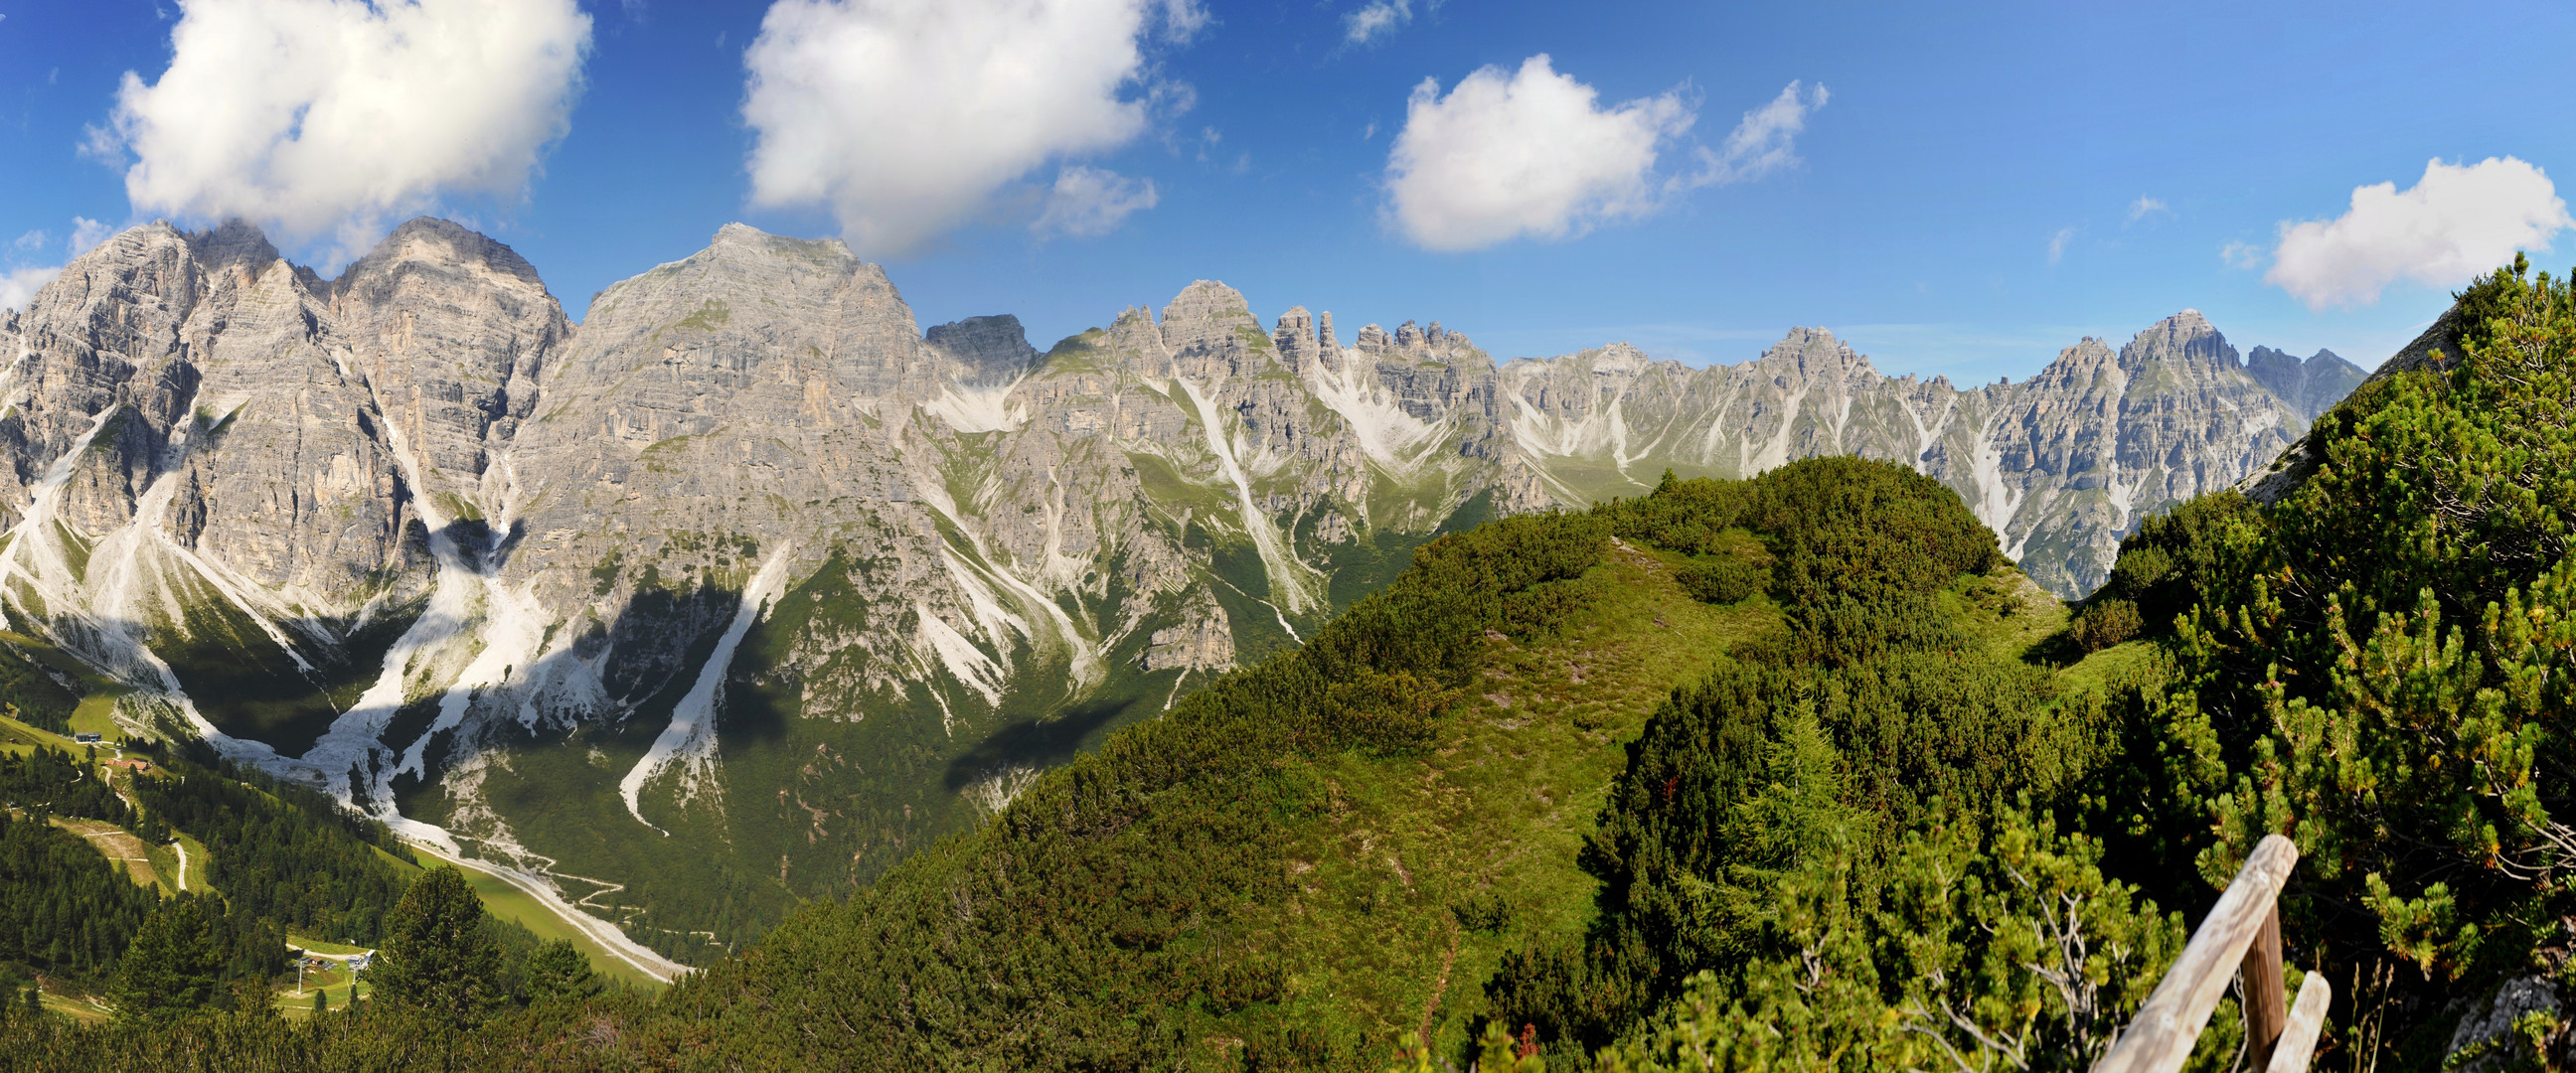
(437, 957)
(173, 966)
(558, 969)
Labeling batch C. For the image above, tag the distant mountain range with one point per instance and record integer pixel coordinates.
(747, 586)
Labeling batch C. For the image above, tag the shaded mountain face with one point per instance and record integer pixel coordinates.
(748, 586)
(2309, 385)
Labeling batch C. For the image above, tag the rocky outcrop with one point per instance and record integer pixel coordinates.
(1201, 641)
(751, 575)
(2490, 1035)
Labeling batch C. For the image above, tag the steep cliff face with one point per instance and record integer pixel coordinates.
(208, 507)
(749, 585)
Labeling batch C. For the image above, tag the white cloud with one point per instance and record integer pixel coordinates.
(2146, 206)
(1379, 18)
(32, 240)
(1765, 140)
(1088, 202)
(2457, 221)
(2241, 254)
(87, 233)
(904, 117)
(1529, 153)
(327, 116)
(1534, 153)
(2057, 244)
(17, 285)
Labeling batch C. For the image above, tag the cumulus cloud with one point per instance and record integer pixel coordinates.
(1533, 152)
(2146, 206)
(2457, 221)
(32, 240)
(1526, 153)
(904, 117)
(1089, 201)
(1765, 140)
(319, 117)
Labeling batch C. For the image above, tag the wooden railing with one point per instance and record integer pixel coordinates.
(2243, 932)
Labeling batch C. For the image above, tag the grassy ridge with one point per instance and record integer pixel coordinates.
(1784, 846)
(1422, 869)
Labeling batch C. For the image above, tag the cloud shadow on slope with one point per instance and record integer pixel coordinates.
(1036, 743)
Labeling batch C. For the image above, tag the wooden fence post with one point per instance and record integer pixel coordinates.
(2265, 1013)
(2299, 1040)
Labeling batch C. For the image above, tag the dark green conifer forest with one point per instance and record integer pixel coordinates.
(1787, 773)
(64, 909)
(49, 782)
(282, 853)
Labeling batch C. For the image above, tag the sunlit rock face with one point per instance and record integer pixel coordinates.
(749, 585)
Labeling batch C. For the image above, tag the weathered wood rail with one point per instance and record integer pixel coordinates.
(2242, 933)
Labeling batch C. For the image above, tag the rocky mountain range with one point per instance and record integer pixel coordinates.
(747, 586)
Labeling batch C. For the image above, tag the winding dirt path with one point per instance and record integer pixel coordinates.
(1439, 988)
(607, 935)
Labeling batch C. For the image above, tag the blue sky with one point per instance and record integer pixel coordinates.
(1959, 193)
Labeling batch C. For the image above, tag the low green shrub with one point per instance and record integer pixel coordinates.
(1725, 581)
(2106, 623)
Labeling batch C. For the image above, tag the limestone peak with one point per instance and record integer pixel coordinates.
(989, 349)
(431, 244)
(2186, 337)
